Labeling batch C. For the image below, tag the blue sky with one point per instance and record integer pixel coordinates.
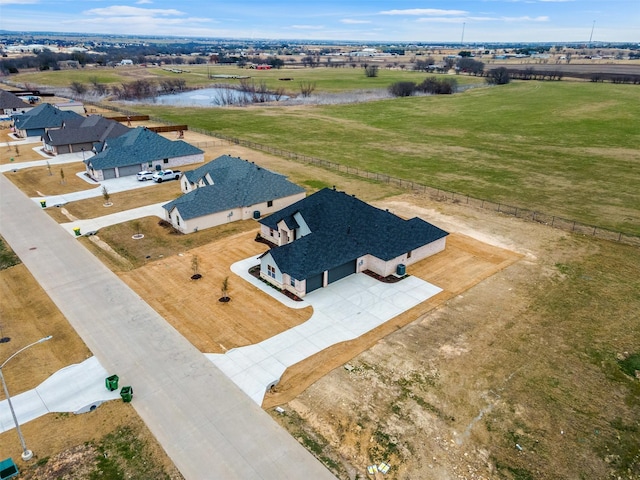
(372, 20)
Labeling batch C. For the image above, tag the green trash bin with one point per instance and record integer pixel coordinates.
(111, 383)
(76, 230)
(126, 393)
(43, 203)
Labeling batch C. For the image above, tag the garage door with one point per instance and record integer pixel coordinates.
(342, 271)
(128, 170)
(108, 173)
(314, 283)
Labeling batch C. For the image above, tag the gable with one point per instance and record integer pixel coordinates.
(140, 145)
(344, 228)
(237, 193)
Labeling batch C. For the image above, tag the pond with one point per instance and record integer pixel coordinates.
(213, 97)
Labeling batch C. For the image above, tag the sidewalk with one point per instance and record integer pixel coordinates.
(78, 388)
(93, 225)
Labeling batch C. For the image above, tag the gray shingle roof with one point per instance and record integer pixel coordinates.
(237, 183)
(92, 129)
(137, 146)
(344, 228)
(10, 100)
(44, 115)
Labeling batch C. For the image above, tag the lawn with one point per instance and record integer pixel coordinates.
(325, 79)
(562, 148)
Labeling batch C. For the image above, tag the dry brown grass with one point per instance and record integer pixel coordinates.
(27, 314)
(38, 181)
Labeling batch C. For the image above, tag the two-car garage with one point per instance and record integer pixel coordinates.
(341, 271)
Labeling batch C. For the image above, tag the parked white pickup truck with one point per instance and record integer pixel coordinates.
(144, 176)
(163, 175)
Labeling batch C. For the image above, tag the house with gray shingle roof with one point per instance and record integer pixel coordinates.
(79, 134)
(37, 121)
(228, 189)
(11, 104)
(139, 149)
(330, 235)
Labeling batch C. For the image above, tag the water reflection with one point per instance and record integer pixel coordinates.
(214, 97)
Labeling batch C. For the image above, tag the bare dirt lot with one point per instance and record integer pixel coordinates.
(512, 373)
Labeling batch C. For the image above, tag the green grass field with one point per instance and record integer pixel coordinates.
(325, 79)
(567, 149)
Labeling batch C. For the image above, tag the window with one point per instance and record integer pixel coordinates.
(165, 161)
(177, 219)
(293, 282)
(409, 254)
(150, 164)
(271, 271)
(270, 203)
(271, 232)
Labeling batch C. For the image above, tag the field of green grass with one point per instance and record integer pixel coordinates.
(325, 79)
(563, 148)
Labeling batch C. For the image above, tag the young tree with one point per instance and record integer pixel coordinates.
(61, 176)
(49, 168)
(307, 88)
(194, 264)
(225, 290)
(498, 76)
(371, 71)
(106, 195)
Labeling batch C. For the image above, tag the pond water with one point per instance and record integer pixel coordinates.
(213, 97)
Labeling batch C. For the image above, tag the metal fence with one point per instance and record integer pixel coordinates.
(553, 221)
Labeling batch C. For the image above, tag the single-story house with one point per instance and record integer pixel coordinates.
(72, 106)
(229, 189)
(139, 149)
(37, 121)
(11, 104)
(330, 235)
(80, 134)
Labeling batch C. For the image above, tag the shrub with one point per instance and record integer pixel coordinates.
(402, 89)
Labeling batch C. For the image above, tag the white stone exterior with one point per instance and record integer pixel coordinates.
(230, 215)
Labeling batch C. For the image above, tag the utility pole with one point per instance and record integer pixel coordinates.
(462, 39)
(591, 36)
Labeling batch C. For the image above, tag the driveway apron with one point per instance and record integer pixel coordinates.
(206, 424)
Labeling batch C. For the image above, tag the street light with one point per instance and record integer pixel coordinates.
(26, 453)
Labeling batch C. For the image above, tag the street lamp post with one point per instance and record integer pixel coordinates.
(26, 453)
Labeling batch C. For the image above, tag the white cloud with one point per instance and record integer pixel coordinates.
(126, 11)
(18, 2)
(349, 21)
(423, 11)
(307, 27)
(525, 19)
(143, 2)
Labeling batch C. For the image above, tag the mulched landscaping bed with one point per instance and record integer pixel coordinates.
(387, 279)
(255, 271)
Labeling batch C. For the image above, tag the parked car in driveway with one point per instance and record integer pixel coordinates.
(144, 175)
(164, 175)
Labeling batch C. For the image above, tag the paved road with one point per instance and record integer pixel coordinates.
(207, 425)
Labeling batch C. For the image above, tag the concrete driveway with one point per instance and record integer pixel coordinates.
(207, 426)
(74, 389)
(342, 311)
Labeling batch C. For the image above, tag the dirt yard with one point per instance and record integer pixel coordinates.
(510, 373)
